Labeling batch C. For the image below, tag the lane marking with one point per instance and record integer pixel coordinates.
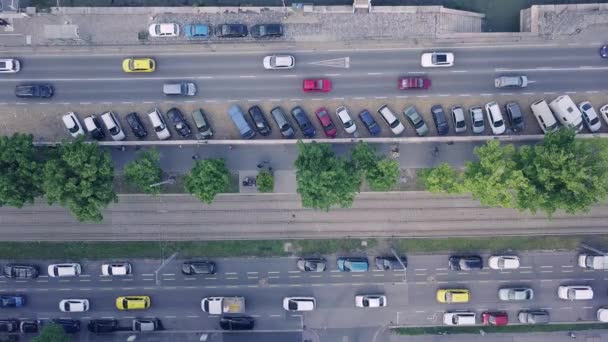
(375, 73)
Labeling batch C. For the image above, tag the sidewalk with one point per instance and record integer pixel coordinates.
(586, 336)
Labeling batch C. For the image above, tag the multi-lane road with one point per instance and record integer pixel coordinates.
(264, 282)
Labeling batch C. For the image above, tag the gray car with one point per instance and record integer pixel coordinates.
(515, 294)
(533, 316)
(416, 121)
(477, 121)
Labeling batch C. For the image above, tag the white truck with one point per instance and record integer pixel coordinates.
(594, 262)
(223, 305)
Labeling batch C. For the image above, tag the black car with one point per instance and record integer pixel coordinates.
(9, 325)
(136, 126)
(231, 31)
(267, 30)
(515, 116)
(390, 263)
(237, 323)
(303, 122)
(21, 271)
(441, 122)
(34, 90)
(29, 326)
(70, 326)
(198, 267)
(102, 325)
(258, 118)
(180, 124)
(466, 263)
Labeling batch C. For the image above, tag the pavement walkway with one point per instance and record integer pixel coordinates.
(584, 336)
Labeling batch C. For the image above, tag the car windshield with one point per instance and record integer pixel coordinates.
(594, 121)
(293, 305)
(498, 123)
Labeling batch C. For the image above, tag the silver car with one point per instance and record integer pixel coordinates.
(477, 122)
(511, 82)
(460, 125)
(590, 117)
(516, 293)
(416, 121)
(533, 316)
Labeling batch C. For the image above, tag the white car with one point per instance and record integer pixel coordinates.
(159, 124)
(604, 112)
(347, 122)
(116, 269)
(602, 314)
(590, 117)
(370, 301)
(437, 59)
(299, 303)
(503, 262)
(64, 270)
(164, 30)
(495, 118)
(71, 122)
(113, 126)
(9, 66)
(459, 318)
(575, 292)
(279, 62)
(74, 305)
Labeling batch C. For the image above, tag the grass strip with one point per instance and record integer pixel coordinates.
(523, 328)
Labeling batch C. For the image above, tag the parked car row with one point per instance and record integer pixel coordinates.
(228, 30)
(72, 326)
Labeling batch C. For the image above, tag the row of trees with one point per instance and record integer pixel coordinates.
(559, 173)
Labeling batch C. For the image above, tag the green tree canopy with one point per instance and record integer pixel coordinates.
(324, 180)
(145, 170)
(20, 177)
(384, 175)
(52, 332)
(265, 181)
(81, 179)
(442, 179)
(208, 178)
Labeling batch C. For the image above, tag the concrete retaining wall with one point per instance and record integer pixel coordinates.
(533, 19)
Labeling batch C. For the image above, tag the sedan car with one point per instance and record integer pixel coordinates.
(352, 264)
(316, 85)
(515, 116)
(370, 301)
(590, 117)
(74, 305)
(459, 318)
(368, 121)
(164, 30)
(259, 119)
(477, 121)
(64, 270)
(179, 123)
(299, 303)
(460, 124)
(503, 262)
(267, 31)
(416, 121)
(533, 316)
(279, 62)
(116, 269)
(301, 118)
(12, 301)
(497, 123)
(197, 31)
(515, 293)
(21, 271)
(390, 263)
(105, 325)
(237, 323)
(133, 302)
(511, 82)
(441, 121)
(409, 83)
(465, 263)
(34, 91)
(138, 128)
(231, 31)
(70, 326)
(198, 267)
(311, 264)
(9, 66)
(495, 318)
(437, 59)
(138, 65)
(604, 51)
(328, 125)
(347, 122)
(451, 296)
(71, 122)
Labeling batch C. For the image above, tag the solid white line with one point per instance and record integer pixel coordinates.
(550, 69)
(204, 77)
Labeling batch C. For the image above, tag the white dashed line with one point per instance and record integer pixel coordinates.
(459, 71)
(464, 95)
(422, 96)
(247, 76)
(592, 91)
(295, 99)
(528, 93)
(375, 73)
(549, 93)
(546, 267)
(253, 100)
(317, 99)
(570, 92)
(444, 95)
(380, 97)
(359, 98)
(211, 101)
(338, 98)
(485, 94)
(169, 274)
(506, 94)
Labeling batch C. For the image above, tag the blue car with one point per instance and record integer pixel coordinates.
(197, 31)
(303, 122)
(368, 120)
(12, 301)
(353, 264)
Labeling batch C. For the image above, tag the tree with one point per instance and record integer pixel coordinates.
(145, 170)
(323, 180)
(20, 178)
(52, 332)
(81, 179)
(384, 175)
(265, 181)
(442, 179)
(363, 157)
(208, 178)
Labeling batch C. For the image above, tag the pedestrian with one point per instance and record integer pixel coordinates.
(194, 156)
(229, 147)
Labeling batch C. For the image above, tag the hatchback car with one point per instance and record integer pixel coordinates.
(71, 122)
(451, 296)
(138, 65)
(91, 123)
(495, 318)
(437, 59)
(477, 121)
(64, 270)
(237, 323)
(409, 83)
(113, 126)
(460, 124)
(179, 123)
(34, 91)
(308, 130)
(311, 264)
(322, 85)
(390, 263)
(29, 326)
(164, 30)
(146, 324)
(197, 31)
(231, 31)
(267, 31)
(391, 120)
(9, 66)
(103, 325)
(21, 271)
(370, 301)
(74, 305)
(299, 303)
(70, 326)
(259, 119)
(511, 82)
(368, 121)
(515, 293)
(347, 122)
(198, 267)
(160, 127)
(116, 269)
(279, 62)
(459, 318)
(515, 116)
(416, 121)
(465, 263)
(441, 121)
(328, 125)
(137, 127)
(280, 118)
(503, 262)
(133, 302)
(497, 123)
(12, 301)
(349, 264)
(575, 292)
(533, 316)
(590, 117)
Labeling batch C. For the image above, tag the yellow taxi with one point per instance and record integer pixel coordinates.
(133, 303)
(138, 65)
(453, 296)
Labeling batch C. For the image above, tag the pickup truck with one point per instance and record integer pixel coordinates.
(223, 305)
(594, 262)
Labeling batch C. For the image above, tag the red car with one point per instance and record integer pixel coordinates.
(319, 85)
(328, 126)
(495, 318)
(406, 83)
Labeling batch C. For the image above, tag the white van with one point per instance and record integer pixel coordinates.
(575, 292)
(544, 116)
(567, 113)
(391, 120)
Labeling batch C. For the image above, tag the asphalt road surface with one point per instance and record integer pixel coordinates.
(239, 76)
(264, 282)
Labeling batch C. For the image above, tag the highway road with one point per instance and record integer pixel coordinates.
(239, 76)
(265, 281)
(275, 216)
